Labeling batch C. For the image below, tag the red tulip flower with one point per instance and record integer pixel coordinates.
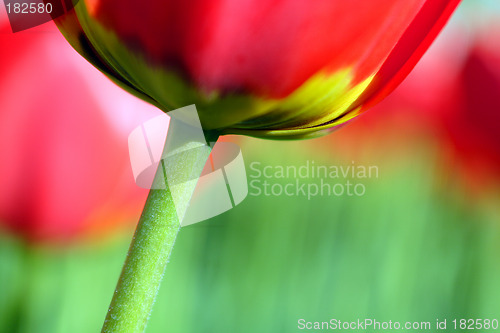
(473, 118)
(262, 68)
(64, 168)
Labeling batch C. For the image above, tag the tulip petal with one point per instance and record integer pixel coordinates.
(409, 49)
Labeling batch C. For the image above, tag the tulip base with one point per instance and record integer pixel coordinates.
(155, 236)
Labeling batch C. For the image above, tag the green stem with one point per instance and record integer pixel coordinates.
(156, 232)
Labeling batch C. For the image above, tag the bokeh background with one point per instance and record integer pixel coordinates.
(422, 243)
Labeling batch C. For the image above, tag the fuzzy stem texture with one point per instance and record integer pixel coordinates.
(157, 230)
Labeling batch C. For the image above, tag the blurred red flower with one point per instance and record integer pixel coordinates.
(64, 167)
(452, 101)
(473, 119)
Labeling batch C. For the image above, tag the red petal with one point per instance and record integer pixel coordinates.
(408, 51)
(268, 48)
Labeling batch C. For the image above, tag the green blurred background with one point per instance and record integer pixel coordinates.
(404, 251)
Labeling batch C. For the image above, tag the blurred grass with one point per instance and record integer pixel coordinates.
(405, 251)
